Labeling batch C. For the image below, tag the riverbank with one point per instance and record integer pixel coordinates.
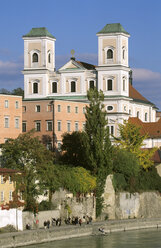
(39, 236)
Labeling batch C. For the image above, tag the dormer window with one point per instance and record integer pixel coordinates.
(35, 58)
(73, 86)
(54, 87)
(109, 54)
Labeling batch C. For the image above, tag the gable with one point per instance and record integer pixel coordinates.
(71, 65)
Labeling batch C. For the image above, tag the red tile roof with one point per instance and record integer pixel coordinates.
(134, 94)
(153, 129)
(6, 170)
(86, 65)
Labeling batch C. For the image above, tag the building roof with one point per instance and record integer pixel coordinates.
(6, 171)
(39, 32)
(86, 65)
(152, 129)
(113, 28)
(136, 96)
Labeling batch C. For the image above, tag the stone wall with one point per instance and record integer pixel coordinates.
(124, 205)
(79, 206)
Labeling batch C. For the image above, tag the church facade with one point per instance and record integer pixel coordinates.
(70, 83)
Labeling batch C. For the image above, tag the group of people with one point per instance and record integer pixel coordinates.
(46, 224)
(77, 220)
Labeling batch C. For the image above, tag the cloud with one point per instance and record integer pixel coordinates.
(141, 74)
(10, 68)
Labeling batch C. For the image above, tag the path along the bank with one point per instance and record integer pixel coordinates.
(38, 236)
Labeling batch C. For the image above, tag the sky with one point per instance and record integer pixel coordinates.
(75, 23)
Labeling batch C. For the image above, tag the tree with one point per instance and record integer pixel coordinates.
(132, 140)
(18, 92)
(73, 149)
(27, 155)
(97, 143)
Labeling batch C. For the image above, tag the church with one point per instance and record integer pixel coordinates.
(55, 101)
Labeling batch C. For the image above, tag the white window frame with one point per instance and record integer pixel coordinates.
(6, 124)
(35, 64)
(146, 116)
(36, 122)
(2, 179)
(10, 195)
(17, 122)
(59, 126)
(91, 79)
(109, 61)
(68, 126)
(6, 104)
(109, 78)
(17, 104)
(10, 180)
(47, 125)
(83, 126)
(76, 126)
(110, 129)
(2, 196)
(76, 109)
(68, 109)
(59, 144)
(59, 108)
(36, 108)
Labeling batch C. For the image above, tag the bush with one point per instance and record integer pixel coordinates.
(46, 205)
(119, 182)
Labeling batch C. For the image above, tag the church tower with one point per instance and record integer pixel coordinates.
(39, 62)
(113, 67)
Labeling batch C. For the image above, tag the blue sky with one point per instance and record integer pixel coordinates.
(75, 23)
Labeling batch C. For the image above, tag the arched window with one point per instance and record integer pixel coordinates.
(146, 116)
(91, 84)
(124, 84)
(35, 88)
(35, 57)
(123, 53)
(109, 84)
(73, 86)
(137, 114)
(109, 54)
(54, 87)
(49, 58)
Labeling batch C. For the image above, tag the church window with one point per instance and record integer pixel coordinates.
(124, 84)
(137, 114)
(73, 86)
(35, 88)
(109, 84)
(91, 84)
(123, 54)
(146, 116)
(54, 87)
(109, 54)
(49, 58)
(109, 108)
(35, 57)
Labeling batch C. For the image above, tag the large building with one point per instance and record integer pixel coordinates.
(10, 117)
(68, 86)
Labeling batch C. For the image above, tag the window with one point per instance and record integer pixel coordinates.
(2, 196)
(16, 122)
(49, 108)
(59, 108)
(49, 146)
(76, 110)
(6, 122)
(109, 84)
(146, 116)
(68, 126)
(49, 58)
(129, 111)
(54, 87)
(6, 104)
(21, 196)
(123, 53)
(68, 109)
(38, 126)
(2, 179)
(24, 109)
(35, 57)
(137, 114)
(73, 86)
(49, 125)
(109, 54)
(35, 88)
(59, 125)
(91, 84)
(10, 179)
(76, 126)
(17, 104)
(111, 130)
(84, 110)
(59, 146)
(124, 84)
(23, 127)
(10, 195)
(109, 108)
(37, 109)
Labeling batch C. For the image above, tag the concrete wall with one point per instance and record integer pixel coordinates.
(29, 218)
(11, 217)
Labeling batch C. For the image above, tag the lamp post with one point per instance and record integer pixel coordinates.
(53, 126)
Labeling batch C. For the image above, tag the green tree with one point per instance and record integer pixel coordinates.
(97, 143)
(73, 149)
(27, 155)
(18, 92)
(132, 140)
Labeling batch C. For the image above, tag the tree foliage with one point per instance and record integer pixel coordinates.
(132, 140)
(31, 158)
(97, 143)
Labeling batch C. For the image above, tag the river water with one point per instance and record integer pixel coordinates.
(150, 238)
